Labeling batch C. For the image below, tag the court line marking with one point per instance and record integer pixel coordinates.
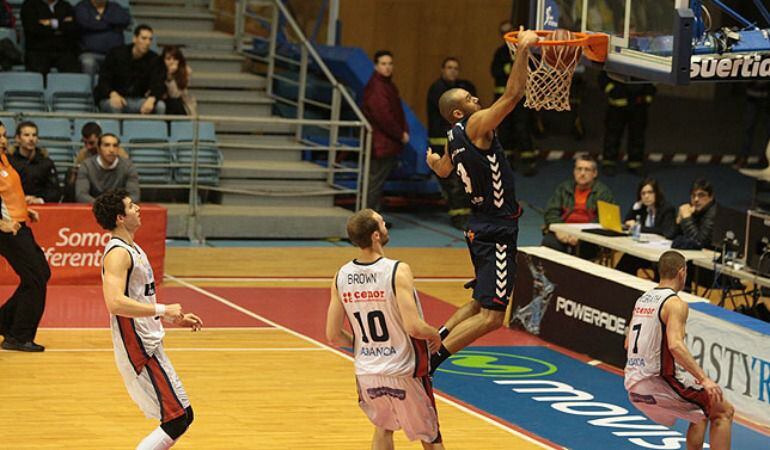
(350, 358)
(194, 349)
(308, 279)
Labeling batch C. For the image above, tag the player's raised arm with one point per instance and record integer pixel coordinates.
(486, 120)
(414, 325)
(116, 265)
(335, 320)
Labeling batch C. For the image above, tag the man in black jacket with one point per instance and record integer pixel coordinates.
(695, 221)
(37, 171)
(459, 208)
(50, 35)
(129, 81)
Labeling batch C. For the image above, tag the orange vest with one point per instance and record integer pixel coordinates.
(14, 205)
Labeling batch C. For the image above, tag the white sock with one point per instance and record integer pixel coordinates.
(157, 440)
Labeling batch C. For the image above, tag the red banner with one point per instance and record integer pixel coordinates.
(73, 242)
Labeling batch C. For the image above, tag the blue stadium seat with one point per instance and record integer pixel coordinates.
(70, 92)
(208, 153)
(56, 136)
(10, 126)
(8, 33)
(22, 91)
(146, 133)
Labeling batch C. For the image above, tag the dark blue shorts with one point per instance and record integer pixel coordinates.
(493, 254)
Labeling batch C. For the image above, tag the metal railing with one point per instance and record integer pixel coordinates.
(193, 185)
(281, 68)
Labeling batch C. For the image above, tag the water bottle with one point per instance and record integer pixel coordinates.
(636, 230)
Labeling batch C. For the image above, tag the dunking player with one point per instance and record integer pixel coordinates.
(137, 333)
(475, 152)
(391, 342)
(654, 346)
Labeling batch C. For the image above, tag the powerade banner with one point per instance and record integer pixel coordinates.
(736, 357)
(572, 308)
(565, 401)
(73, 243)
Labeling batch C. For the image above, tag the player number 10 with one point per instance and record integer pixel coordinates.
(378, 330)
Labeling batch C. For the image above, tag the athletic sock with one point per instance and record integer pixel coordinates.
(443, 332)
(437, 358)
(157, 440)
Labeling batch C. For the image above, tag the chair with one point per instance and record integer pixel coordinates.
(56, 137)
(70, 92)
(10, 125)
(182, 133)
(152, 161)
(22, 91)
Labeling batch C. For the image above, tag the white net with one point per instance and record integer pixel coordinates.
(550, 76)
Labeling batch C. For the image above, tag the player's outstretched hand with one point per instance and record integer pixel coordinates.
(713, 390)
(190, 320)
(434, 343)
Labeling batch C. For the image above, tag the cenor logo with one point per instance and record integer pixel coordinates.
(495, 364)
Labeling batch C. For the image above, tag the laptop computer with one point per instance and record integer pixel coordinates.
(609, 219)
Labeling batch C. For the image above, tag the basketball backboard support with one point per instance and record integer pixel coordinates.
(665, 41)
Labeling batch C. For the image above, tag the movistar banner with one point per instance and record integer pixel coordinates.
(561, 399)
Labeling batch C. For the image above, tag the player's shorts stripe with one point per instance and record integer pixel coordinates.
(170, 406)
(428, 386)
(133, 343)
(421, 357)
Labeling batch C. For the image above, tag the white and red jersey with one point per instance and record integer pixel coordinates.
(135, 339)
(381, 344)
(648, 354)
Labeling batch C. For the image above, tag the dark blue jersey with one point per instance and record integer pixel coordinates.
(486, 174)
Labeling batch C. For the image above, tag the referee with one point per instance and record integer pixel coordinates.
(20, 315)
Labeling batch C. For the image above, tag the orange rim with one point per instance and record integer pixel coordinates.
(594, 45)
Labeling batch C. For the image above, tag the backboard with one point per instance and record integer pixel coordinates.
(667, 41)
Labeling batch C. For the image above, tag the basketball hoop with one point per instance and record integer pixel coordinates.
(550, 73)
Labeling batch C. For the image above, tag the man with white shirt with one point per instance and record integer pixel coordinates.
(106, 171)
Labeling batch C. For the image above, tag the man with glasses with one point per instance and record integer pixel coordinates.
(695, 220)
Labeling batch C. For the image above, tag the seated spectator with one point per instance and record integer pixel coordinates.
(90, 134)
(106, 171)
(655, 215)
(101, 24)
(127, 80)
(176, 76)
(37, 171)
(50, 35)
(574, 201)
(695, 221)
(9, 52)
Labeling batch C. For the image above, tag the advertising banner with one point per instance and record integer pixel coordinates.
(73, 242)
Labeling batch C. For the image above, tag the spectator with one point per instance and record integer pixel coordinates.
(9, 52)
(21, 313)
(574, 201)
(695, 221)
(90, 134)
(655, 215)
(627, 106)
(127, 80)
(38, 174)
(50, 36)
(106, 171)
(176, 76)
(382, 106)
(101, 24)
(459, 208)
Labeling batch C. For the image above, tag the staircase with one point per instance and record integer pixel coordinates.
(285, 208)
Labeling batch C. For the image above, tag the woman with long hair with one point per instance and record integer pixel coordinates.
(177, 79)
